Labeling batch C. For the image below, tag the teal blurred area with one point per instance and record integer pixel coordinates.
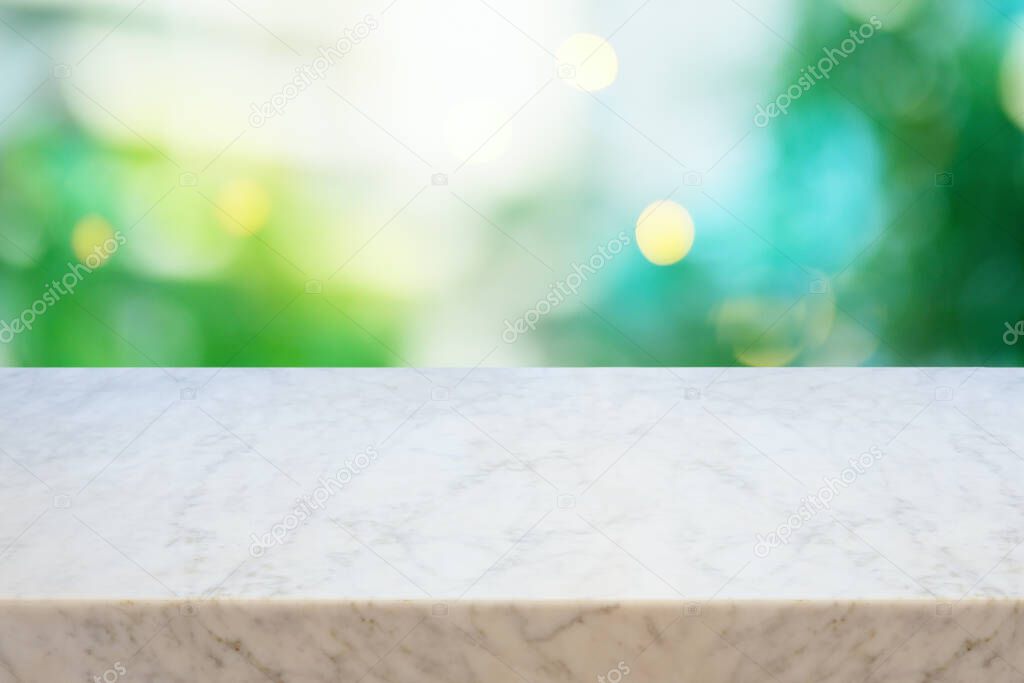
(514, 182)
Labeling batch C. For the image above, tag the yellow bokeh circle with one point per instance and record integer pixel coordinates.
(244, 207)
(93, 241)
(664, 233)
(588, 62)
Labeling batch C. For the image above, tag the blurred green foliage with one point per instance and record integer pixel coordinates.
(886, 225)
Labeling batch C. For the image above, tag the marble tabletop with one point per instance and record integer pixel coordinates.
(523, 484)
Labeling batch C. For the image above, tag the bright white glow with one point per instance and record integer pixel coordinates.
(591, 61)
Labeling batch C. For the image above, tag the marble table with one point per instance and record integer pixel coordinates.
(400, 525)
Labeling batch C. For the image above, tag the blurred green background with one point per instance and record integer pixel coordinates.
(441, 175)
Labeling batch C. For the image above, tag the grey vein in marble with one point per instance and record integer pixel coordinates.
(396, 525)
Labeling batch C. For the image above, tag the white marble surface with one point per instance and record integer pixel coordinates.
(629, 502)
(511, 483)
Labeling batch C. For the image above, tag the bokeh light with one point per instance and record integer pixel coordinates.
(759, 331)
(244, 206)
(92, 240)
(664, 233)
(593, 62)
(436, 182)
(1012, 80)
